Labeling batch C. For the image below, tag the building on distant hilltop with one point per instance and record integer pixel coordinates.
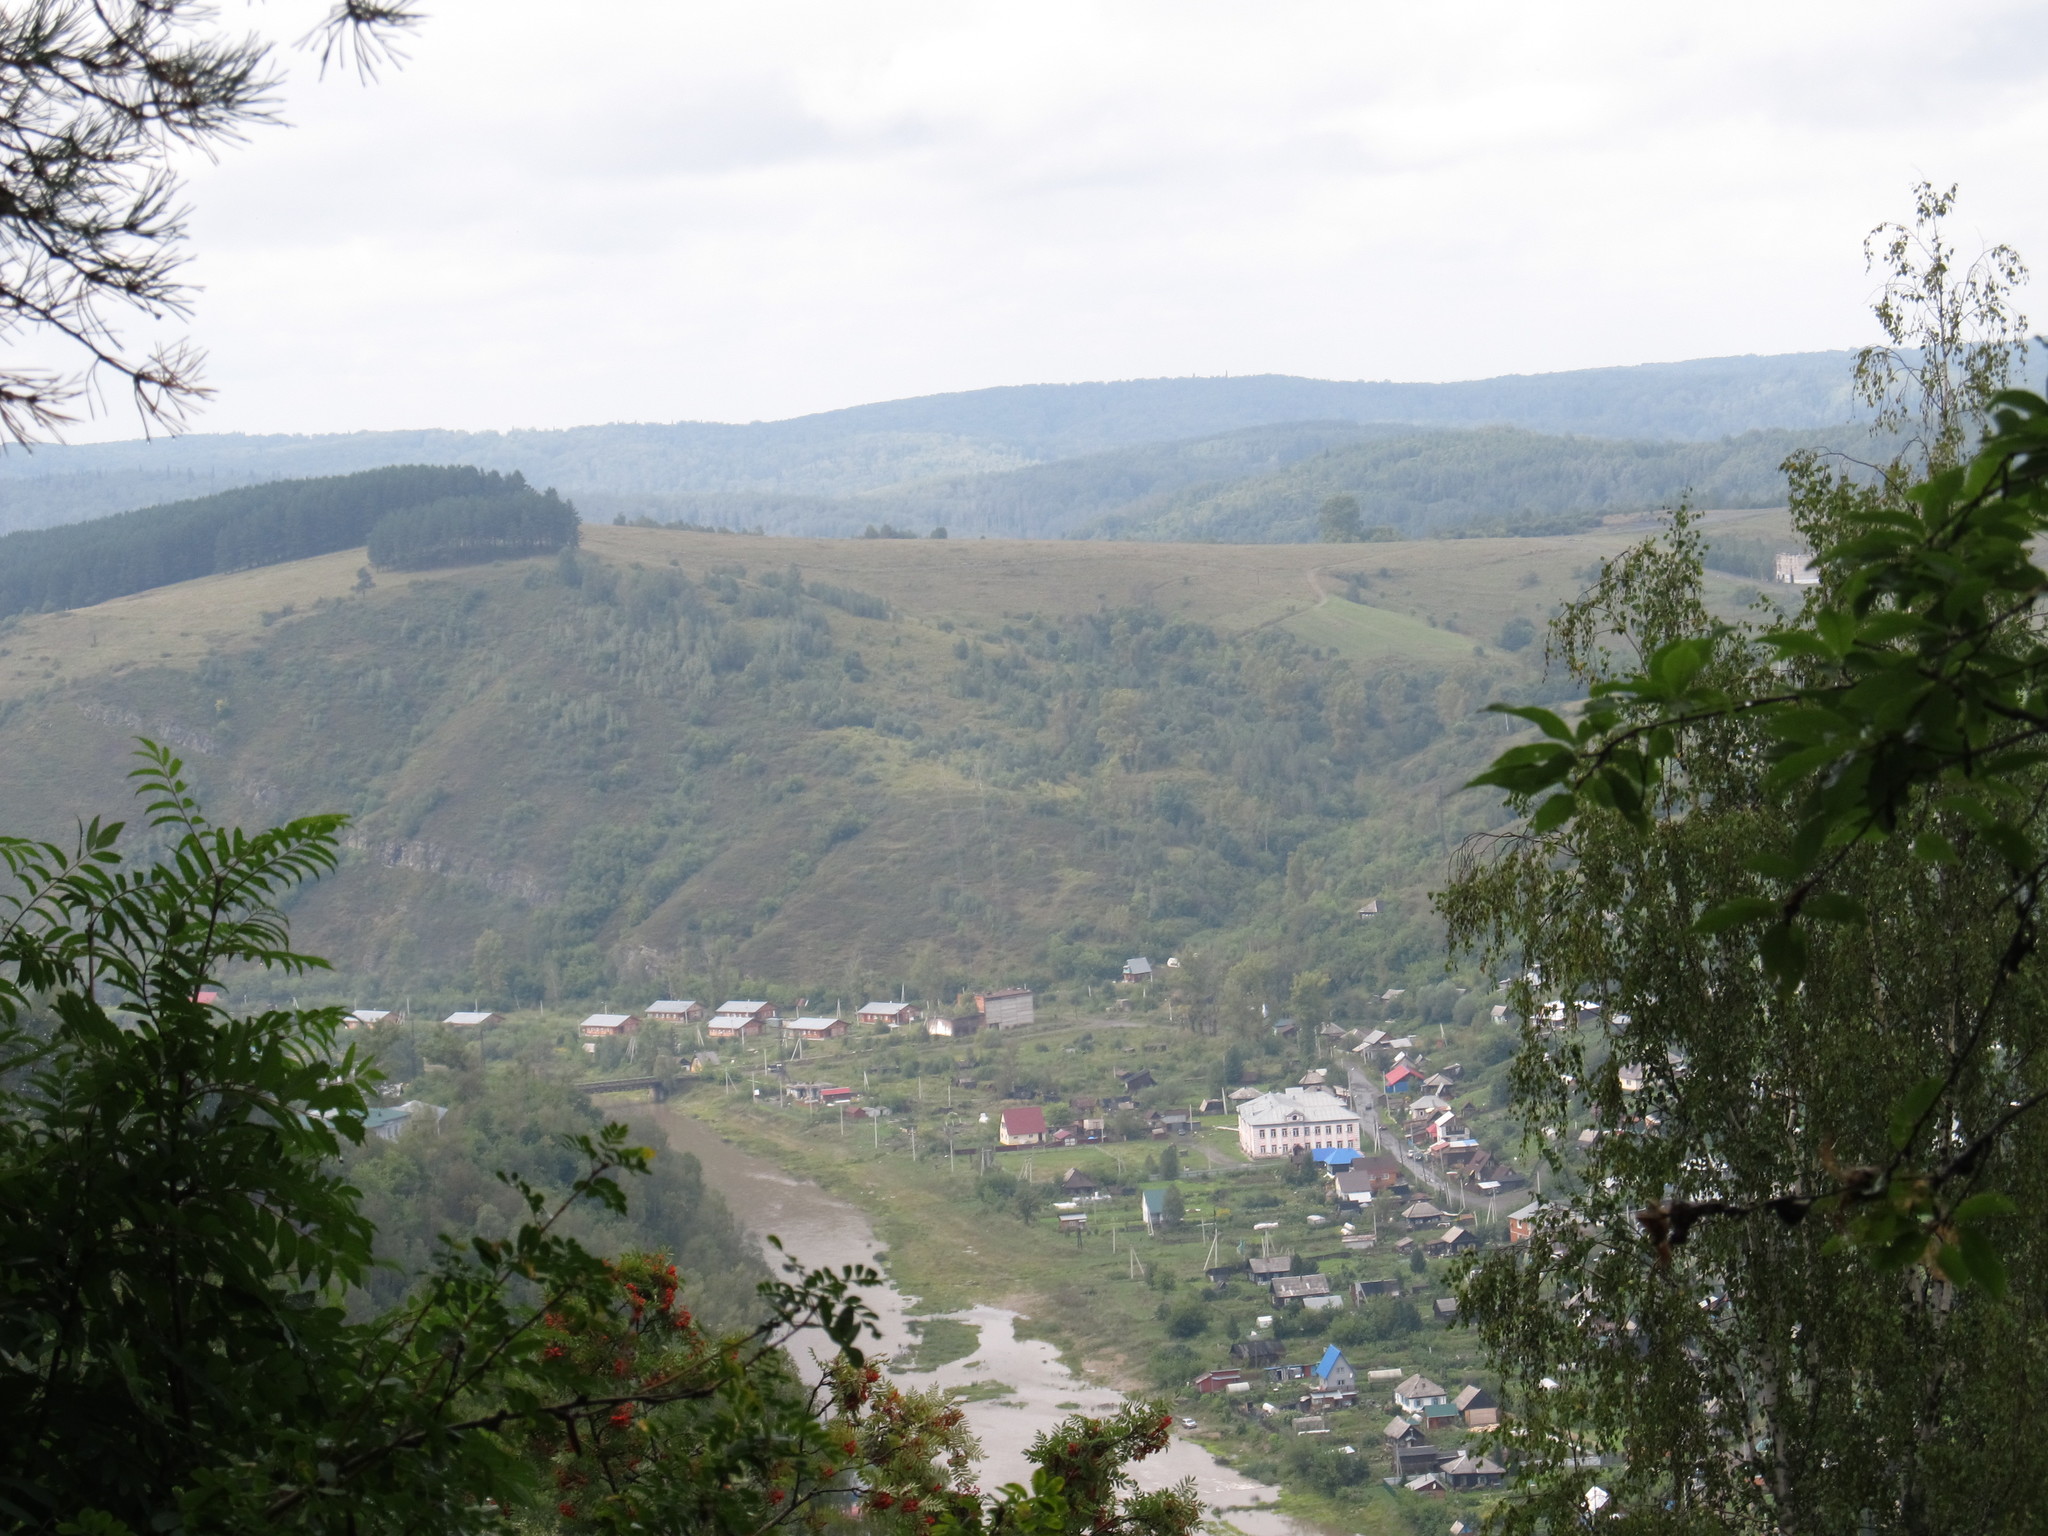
(890, 1015)
(1006, 1009)
(1796, 571)
(675, 1010)
(470, 1020)
(367, 1018)
(1138, 968)
(608, 1026)
(1294, 1120)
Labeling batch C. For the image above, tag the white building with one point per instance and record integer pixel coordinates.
(1277, 1124)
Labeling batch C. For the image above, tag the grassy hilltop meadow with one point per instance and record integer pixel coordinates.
(828, 768)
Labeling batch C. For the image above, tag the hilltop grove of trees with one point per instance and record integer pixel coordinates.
(411, 517)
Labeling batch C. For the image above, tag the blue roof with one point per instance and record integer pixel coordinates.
(1340, 1157)
(1154, 1199)
(1332, 1358)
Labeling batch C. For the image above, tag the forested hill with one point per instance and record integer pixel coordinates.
(895, 444)
(412, 517)
(705, 761)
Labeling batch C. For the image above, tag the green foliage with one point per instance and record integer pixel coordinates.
(1339, 521)
(1799, 867)
(469, 530)
(1173, 1208)
(262, 525)
(1516, 634)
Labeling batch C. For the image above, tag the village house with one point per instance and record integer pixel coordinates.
(1138, 968)
(1445, 1308)
(1281, 1123)
(1477, 1407)
(1522, 1223)
(609, 1026)
(1451, 1242)
(703, 1061)
(362, 1018)
(1416, 1393)
(1334, 1376)
(473, 1020)
(954, 1026)
(889, 1015)
(1403, 1432)
(811, 1029)
(1362, 1289)
(1219, 1380)
(1134, 1079)
(1264, 1267)
(675, 1010)
(1008, 1009)
(1370, 910)
(1469, 1471)
(1256, 1352)
(1403, 1079)
(1422, 1214)
(741, 1019)
(1312, 1291)
(1021, 1126)
(1078, 1183)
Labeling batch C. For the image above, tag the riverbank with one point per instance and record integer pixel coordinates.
(1117, 1305)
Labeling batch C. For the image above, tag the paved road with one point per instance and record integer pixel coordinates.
(1363, 1099)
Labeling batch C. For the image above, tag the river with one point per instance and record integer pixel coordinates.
(820, 1229)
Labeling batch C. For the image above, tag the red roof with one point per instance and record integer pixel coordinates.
(1400, 1073)
(1027, 1120)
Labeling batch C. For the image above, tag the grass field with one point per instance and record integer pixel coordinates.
(1475, 583)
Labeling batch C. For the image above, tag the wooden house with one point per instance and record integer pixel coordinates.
(675, 1010)
(609, 1026)
(813, 1029)
(1008, 1009)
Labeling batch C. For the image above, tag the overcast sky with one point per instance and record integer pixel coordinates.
(652, 210)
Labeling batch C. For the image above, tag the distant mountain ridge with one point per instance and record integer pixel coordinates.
(901, 444)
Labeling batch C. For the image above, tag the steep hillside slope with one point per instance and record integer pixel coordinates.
(694, 760)
(897, 443)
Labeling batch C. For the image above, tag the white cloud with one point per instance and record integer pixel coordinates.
(647, 210)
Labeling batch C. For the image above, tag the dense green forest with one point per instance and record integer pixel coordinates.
(428, 515)
(467, 530)
(440, 1177)
(904, 444)
(1491, 480)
